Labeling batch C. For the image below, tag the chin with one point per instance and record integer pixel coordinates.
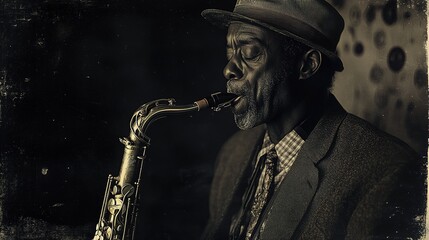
(246, 121)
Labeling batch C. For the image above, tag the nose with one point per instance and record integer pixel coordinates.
(232, 70)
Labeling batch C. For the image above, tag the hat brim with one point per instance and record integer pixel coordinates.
(222, 19)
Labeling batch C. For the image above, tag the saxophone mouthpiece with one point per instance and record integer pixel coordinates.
(216, 101)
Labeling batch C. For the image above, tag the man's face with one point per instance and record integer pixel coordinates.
(256, 72)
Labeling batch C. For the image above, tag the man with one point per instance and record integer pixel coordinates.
(303, 168)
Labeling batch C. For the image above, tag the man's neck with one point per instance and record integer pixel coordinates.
(288, 120)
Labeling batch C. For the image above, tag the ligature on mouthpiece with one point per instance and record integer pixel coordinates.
(216, 101)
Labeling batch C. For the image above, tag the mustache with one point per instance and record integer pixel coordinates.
(237, 89)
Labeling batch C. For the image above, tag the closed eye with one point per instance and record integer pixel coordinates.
(251, 52)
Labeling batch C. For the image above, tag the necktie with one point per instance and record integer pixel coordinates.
(257, 196)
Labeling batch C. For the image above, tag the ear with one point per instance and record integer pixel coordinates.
(310, 63)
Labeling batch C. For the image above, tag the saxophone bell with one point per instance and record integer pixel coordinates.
(120, 206)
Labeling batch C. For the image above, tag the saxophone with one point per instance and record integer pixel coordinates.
(121, 198)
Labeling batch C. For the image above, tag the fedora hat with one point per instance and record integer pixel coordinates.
(312, 22)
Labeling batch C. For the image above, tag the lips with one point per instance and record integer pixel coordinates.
(239, 105)
(236, 100)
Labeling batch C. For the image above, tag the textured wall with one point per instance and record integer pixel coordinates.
(385, 77)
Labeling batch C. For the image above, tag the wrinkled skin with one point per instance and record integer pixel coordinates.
(257, 72)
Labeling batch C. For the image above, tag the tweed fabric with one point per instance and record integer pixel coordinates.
(349, 181)
(277, 160)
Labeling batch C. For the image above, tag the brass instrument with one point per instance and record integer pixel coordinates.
(121, 198)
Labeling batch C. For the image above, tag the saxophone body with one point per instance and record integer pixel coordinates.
(120, 205)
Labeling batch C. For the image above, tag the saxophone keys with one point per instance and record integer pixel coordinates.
(114, 205)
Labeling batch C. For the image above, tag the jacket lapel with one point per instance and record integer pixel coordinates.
(238, 163)
(291, 200)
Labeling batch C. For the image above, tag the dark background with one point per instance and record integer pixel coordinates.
(72, 73)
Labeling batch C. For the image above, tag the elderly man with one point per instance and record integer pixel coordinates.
(303, 168)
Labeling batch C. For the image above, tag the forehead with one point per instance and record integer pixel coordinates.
(240, 30)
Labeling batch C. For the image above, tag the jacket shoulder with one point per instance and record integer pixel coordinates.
(232, 160)
(238, 148)
(393, 194)
(242, 141)
(369, 140)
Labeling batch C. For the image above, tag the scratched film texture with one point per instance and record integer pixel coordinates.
(72, 72)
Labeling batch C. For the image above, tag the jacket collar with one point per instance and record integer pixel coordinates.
(295, 193)
(320, 139)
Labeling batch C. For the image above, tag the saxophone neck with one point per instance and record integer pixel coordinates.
(148, 113)
(154, 110)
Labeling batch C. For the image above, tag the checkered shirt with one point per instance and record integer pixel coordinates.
(287, 151)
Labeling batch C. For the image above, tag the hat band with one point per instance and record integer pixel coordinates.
(287, 23)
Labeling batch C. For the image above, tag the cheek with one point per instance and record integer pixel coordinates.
(264, 85)
(261, 80)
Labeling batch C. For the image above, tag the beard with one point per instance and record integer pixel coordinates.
(262, 110)
(277, 92)
(250, 117)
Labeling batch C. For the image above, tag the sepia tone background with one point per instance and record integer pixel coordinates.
(72, 73)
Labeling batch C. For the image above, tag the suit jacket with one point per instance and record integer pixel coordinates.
(349, 181)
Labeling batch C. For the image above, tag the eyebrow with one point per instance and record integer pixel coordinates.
(246, 40)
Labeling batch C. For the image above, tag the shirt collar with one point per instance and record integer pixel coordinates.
(299, 133)
(287, 145)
